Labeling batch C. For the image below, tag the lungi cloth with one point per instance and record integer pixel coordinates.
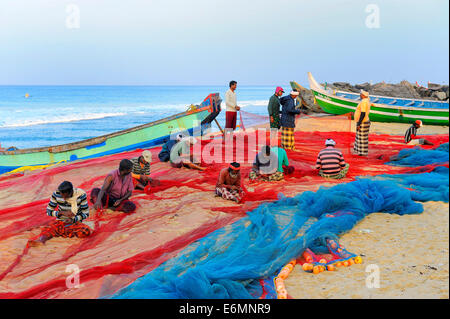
(230, 120)
(361, 145)
(339, 175)
(61, 229)
(108, 201)
(230, 194)
(278, 176)
(287, 138)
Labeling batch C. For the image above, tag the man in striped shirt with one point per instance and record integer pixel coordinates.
(330, 161)
(411, 132)
(141, 170)
(70, 207)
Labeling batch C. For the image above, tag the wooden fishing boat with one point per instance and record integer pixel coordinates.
(195, 121)
(383, 109)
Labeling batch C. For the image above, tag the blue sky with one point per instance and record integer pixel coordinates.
(209, 42)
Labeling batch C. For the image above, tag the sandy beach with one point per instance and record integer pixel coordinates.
(411, 252)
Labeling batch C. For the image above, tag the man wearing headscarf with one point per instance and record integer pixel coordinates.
(411, 135)
(288, 113)
(70, 208)
(330, 161)
(229, 183)
(361, 116)
(274, 108)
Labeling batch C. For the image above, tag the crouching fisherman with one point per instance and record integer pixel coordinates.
(117, 188)
(330, 161)
(141, 170)
(73, 209)
(229, 183)
(265, 166)
(411, 135)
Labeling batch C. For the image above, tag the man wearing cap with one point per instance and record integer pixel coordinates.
(274, 108)
(229, 183)
(141, 170)
(232, 107)
(288, 113)
(361, 116)
(411, 134)
(330, 161)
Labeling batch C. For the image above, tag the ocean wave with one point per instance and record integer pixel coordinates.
(59, 119)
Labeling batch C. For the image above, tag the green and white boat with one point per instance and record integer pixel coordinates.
(195, 121)
(383, 109)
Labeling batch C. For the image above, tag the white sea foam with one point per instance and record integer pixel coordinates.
(17, 122)
(24, 118)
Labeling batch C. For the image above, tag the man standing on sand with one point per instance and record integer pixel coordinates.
(361, 116)
(274, 108)
(288, 113)
(232, 107)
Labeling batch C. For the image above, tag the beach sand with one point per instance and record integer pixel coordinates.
(410, 251)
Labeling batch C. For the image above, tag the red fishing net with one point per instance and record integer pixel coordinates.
(182, 209)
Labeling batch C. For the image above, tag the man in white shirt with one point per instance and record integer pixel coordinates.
(232, 107)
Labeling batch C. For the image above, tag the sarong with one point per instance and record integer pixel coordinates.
(230, 194)
(278, 176)
(339, 175)
(361, 145)
(275, 123)
(287, 138)
(108, 201)
(230, 118)
(61, 229)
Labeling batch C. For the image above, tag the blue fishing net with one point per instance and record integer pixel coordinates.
(432, 186)
(418, 156)
(229, 262)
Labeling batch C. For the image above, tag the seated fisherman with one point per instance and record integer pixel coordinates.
(73, 209)
(283, 161)
(181, 155)
(164, 155)
(229, 183)
(330, 161)
(141, 170)
(117, 188)
(265, 166)
(411, 132)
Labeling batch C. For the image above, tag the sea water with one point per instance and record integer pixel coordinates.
(36, 116)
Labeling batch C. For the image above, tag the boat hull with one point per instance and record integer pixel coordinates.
(382, 113)
(144, 136)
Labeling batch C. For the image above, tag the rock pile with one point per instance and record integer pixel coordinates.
(403, 89)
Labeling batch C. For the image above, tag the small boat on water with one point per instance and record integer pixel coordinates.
(383, 109)
(195, 121)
